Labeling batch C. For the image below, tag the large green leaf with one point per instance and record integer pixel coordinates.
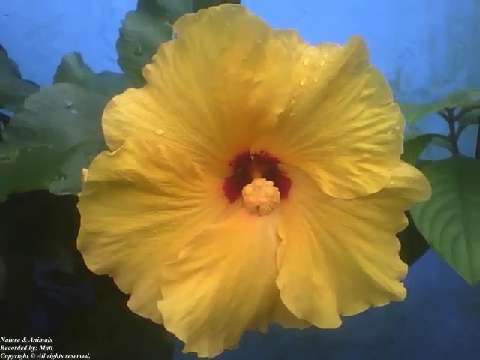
(13, 89)
(415, 112)
(73, 69)
(450, 220)
(140, 36)
(48, 143)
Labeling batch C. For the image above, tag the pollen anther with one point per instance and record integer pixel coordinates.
(260, 197)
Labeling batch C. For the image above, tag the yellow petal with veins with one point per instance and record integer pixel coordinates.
(139, 205)
(342, 125)
(222, 284)
(340, 257)
(212, 90)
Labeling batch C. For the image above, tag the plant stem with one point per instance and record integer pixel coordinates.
(449, 115)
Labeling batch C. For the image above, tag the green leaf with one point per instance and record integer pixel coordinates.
(48, 143)
(203, 4)
(449, 221)
(13, 89)
(415, 112)
(443, 141)
(170, 10)
(414, 147)
(140, 36)
(173, 9)
(73, 69)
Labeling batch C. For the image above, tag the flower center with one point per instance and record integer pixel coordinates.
(260, 197)
(248, 166)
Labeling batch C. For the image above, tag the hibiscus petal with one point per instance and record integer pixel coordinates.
(221, 82)
(222, 284)
(131, 114)
(342, 125)
(138, 208)
(339, 257)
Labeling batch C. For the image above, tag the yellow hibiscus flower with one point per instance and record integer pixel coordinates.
(255, 179)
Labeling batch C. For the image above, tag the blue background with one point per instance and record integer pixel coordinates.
(426, 48)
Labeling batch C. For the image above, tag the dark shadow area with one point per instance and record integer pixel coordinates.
(50, 293)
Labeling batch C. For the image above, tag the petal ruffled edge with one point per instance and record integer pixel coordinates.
(340, 257)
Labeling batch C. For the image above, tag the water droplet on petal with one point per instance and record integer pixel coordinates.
(68, 104)
(302, 83)
(158, 132)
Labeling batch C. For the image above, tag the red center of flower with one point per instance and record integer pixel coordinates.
(246, 166)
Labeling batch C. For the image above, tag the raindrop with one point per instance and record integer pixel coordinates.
(158, 132)
(302, 83)
(68, 104)
(74, 112)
